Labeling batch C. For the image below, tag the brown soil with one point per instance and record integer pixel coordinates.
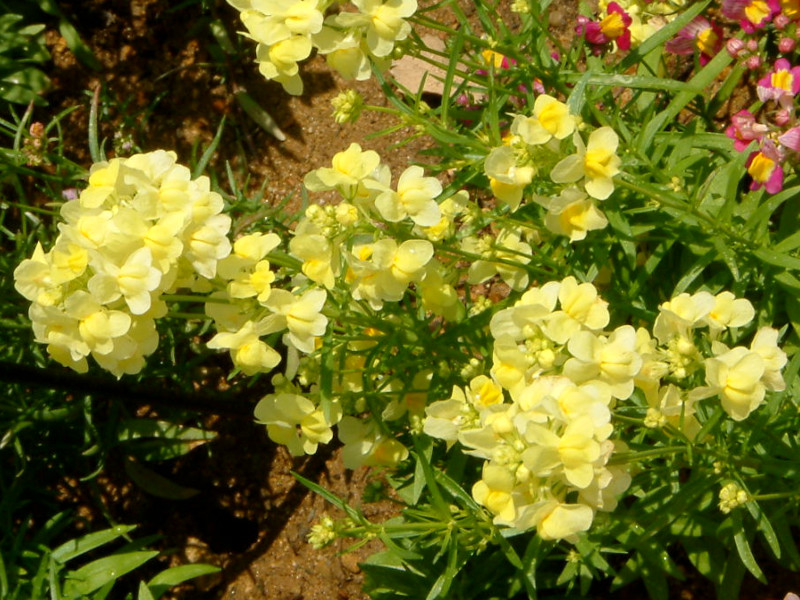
(157, 91)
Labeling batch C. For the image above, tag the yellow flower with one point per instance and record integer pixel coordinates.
(414, 198)
(729, 311)
(506, 178)
(558, 521)
(494, 491)
(551, 119)
(613, 359)
(597, 162)
(301, 315)
(572, 214)
(581, 307)
(736, 377)
(296, 422)
(249, 353)
(386, 22)
(366, 445)
(348, 170)
(279, 61)
(317, 255)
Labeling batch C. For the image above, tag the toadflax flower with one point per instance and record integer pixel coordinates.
(614, 27)
(781, 84)
(296, 422)
(597, 162)
(700, 35)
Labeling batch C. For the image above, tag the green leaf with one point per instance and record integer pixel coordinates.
(144, 592)
(351, 512)
(261, 117)
(177, 575)
(98, 573)
(155, 484)
(209, 152)
(742, 542)
(778, 259)
(74, 548)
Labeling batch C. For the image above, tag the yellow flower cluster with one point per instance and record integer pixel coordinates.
(346, 244)
(547, 449)
(288, 30)
(141, 228)
(534, 145)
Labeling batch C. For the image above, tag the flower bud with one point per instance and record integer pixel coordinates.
(786, 45)
(735, 47)
(753, 62)
(783, 117)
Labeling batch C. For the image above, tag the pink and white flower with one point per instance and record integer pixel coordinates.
(781, 84)
(700, 35)
(744, 129)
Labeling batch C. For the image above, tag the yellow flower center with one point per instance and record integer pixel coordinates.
(493, 58)
(707, 41)
(782, 80)
(551, 117)
(612, 26)
(757, 11)
(761, 168)
(596, 163)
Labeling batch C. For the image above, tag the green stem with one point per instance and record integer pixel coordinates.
(776, 495)
(628, 457)
(668, 202)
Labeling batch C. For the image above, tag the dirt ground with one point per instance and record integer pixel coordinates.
(252, 517)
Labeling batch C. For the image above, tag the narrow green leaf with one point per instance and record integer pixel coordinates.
(78, 47)
(694, 271)
(641, 82)
(95, 151)
(155, 484)
(144, 592)
(637, 54)
(765, 527)
(778, 259)
(177, 575)
(209, 152)
(96, 574)
(261, 117)
(355, 515)
(740, 538)
(74, 548)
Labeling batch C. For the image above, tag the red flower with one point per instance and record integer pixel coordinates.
(614, 27)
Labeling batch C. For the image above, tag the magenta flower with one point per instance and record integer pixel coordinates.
(744, 129)
(782, 84)
(764, 166)
(614, 27)
(751, 14)
(699, 35)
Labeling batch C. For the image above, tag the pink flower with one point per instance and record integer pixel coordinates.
(791, 139)
(751, 14)
(613, 27)
(764, 166)
(744, 129)
(781, 84)
(699, 35)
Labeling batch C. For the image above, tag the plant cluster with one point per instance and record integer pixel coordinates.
(571, 335)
